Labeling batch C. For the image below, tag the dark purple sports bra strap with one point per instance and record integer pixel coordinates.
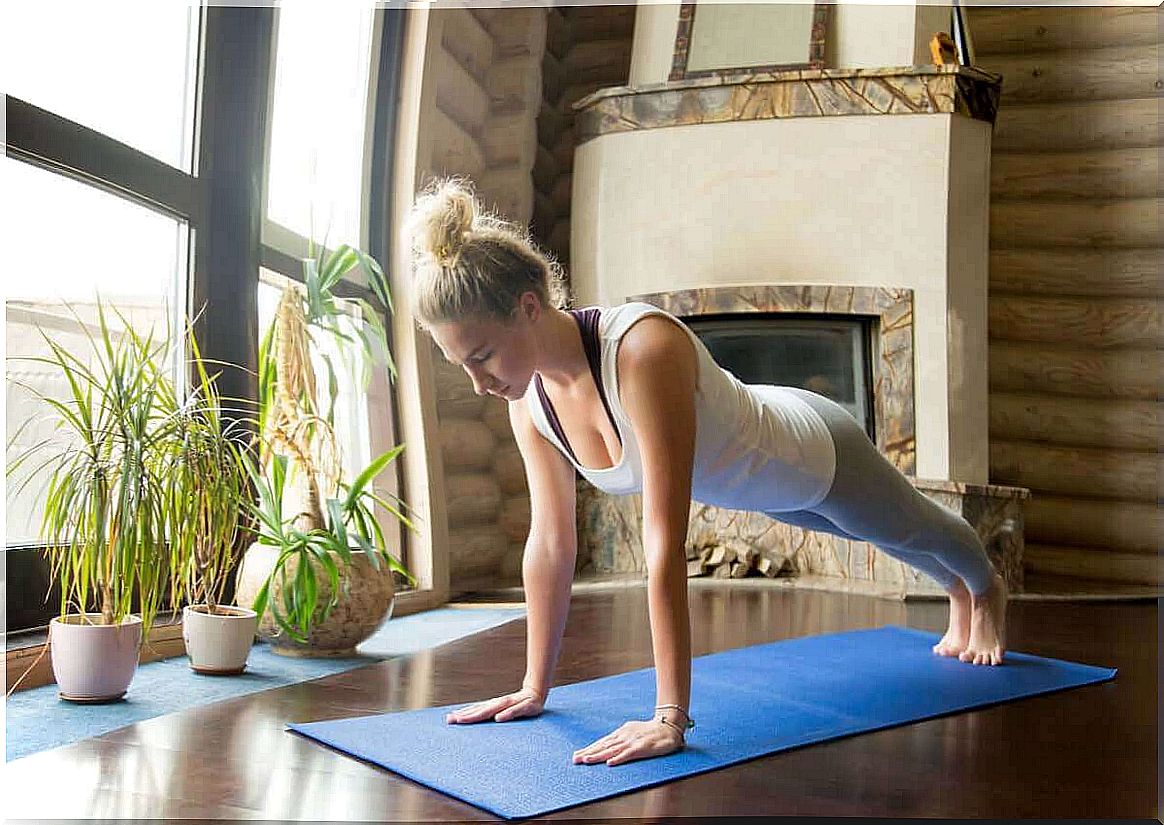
(587, 320)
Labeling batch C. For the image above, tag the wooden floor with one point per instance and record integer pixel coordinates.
(1090, 752)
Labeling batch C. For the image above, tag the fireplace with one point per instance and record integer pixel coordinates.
(861, 340)
(827, 354)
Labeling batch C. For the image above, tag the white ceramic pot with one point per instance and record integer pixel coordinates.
(218, 643)
(366, 598)
(93, 662)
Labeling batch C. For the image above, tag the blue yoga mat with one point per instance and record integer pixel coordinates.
(797, 692)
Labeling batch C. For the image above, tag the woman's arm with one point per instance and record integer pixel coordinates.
(657, 380)
(547, 572)
(547, 568)
(657, 372)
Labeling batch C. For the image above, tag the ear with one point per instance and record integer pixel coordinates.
(529, 306)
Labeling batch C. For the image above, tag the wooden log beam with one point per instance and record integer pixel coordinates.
(1124, 526)
(1098, 124)
(1095, 564)
(1080, 422)
(1002, 30)
(475, 551)
(1088, 373)
(1096, 173)
(1078, 321)
(472, 498)
(1132, 222)
(1126, 273)
(1112, 73)
(510, 471)
(467, 445)
(1076, 471)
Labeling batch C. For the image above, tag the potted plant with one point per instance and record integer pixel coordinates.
(320, 575)
(104, 509)
(207, 486)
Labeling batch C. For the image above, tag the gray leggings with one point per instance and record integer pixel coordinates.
(871, 500)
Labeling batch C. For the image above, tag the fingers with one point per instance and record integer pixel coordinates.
(525, 707)
(502, 709)
(478, 712)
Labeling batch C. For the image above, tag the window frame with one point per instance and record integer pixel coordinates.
(235, 73)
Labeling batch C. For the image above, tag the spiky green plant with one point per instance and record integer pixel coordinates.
(104, 511)
(208, 485)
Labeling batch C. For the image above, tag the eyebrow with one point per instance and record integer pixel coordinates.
(467, 357)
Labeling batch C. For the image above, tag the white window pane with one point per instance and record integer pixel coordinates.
(124, 69)
(322, 58)
(74, 242)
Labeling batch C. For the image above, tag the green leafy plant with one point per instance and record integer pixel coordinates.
(299, 445)
(207, 487)
(305, 554)
(105, 508)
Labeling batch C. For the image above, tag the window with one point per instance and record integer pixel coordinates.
(315, 168)
(134, 258)
(97, 159)
(84, 62)
(113, 142)
(319, 189)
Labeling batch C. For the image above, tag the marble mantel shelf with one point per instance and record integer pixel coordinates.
(799, 93)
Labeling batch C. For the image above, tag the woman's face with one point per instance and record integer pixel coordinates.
(498, 356)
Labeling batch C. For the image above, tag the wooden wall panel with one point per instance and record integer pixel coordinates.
(1104, 272)
(1111, 73)
(1008, 30)
(1096, 173)
(1090, 373)
(1076, 362)
(1103, 323)
(1116, 423)
(1061, 127)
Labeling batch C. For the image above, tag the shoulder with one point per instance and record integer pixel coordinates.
(653, 341)
(656, 363)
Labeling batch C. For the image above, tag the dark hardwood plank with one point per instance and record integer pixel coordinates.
(1090, 752)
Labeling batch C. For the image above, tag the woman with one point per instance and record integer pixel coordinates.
(629, 398)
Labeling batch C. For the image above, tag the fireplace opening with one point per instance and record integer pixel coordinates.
(828, 354)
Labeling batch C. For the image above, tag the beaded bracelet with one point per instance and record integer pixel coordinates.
(690, 722)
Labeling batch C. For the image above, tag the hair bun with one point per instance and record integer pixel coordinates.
(442, 217)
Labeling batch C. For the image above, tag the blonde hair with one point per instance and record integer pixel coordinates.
(469, 263)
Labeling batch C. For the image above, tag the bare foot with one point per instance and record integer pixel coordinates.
(958, 634)
(987, 623)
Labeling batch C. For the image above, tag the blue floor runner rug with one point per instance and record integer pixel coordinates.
(797, 692)
(37, 719)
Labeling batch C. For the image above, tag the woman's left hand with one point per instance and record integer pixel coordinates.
(633, 740)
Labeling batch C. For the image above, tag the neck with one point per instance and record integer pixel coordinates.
(561, 357)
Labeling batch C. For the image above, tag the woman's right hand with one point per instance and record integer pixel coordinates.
(523, 703)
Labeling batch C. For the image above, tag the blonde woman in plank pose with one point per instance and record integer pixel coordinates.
(628, 397)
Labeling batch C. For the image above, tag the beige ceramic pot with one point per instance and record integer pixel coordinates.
(93, 662)
(218, 643)
(366, 600)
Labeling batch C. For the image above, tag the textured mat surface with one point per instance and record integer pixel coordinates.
(37, 719)
(797, 692)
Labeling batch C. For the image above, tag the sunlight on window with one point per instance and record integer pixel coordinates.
(124, 69)
(322, 59)
(70, 242)
(351, 406)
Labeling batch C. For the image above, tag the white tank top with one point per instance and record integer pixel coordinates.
(757, 447)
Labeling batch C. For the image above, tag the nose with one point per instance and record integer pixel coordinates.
(481, 383)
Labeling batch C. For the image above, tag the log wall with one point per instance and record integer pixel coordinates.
(485, 69)
(1075, 286)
